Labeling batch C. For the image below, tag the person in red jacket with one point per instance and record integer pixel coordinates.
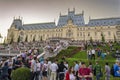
(70, 74)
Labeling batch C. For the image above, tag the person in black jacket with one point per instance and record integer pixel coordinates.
(61, 70)
(4, 73)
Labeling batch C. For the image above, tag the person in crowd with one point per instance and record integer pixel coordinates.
(38, 70)
(76, 68)
(34, 68)
(27, 63)
(107, 71)
(53, 68)
(99, 53)
(66, 65)
(84, 72)
(4, 74)
(90, 66)
(97, 71)
(70, 74)
(18, 62)
(61, 70)
(45, 70)
(10, 64)
(117, 69)
(103, 55)
(49, 64)
(57, 77)
(89, 53)
(93, 54)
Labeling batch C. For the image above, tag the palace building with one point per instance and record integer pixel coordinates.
(71, 26)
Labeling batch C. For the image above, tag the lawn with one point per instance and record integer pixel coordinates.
(75, 54)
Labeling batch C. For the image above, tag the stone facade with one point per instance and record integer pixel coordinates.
(70, 26)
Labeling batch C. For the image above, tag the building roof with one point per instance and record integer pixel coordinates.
(77, 19)
(39, 26)
(104, 22)
(17, 23)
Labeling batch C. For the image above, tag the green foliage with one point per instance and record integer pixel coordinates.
(103, 38)
(18, 39)
(82, 56)
(21, 74)
(91, 40)
(115, 39)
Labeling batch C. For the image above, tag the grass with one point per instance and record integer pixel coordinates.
(73, 54)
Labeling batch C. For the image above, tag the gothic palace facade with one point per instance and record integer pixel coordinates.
(71, 26)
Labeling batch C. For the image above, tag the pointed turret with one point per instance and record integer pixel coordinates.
(17, 23)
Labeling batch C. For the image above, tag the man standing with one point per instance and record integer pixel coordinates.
(34, 68)
(76, 68)
(97, 70)
(84, 72)
(93, 54)
(107, 71)
(53, 69)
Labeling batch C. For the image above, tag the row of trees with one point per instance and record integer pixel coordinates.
(103, 38)
(26, 39)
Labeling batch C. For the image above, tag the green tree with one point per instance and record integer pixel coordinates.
(91, 40)
(115, 39)
(21, 74)
(103, 38)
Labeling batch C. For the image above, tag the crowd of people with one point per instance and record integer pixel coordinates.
(44, 69)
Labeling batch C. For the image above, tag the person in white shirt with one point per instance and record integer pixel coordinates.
(49, 64)
(45, 70)
(93, 53)
(33, 68)
(53, 69)
(38, 69)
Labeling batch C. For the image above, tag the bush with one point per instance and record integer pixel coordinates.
(21, 74)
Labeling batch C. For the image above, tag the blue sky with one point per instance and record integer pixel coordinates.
(37, 11)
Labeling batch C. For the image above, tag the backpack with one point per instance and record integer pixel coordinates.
(112, 71)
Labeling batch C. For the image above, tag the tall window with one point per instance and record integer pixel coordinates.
(80, 33)
(109, 33)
